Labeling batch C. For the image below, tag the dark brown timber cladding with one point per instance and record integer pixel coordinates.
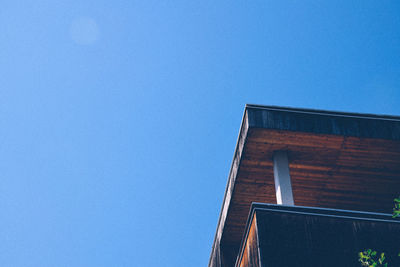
(250, 256)
(336, 160)
(326, 170)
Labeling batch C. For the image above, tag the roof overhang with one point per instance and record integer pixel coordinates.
(337, 160)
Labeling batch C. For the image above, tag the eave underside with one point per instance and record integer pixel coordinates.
(327, 171)
(336, 160)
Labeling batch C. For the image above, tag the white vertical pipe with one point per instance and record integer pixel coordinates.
(283, 186)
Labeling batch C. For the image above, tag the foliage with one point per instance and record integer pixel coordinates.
(396, 209)
(369, 258)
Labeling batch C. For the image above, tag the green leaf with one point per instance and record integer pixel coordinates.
(396, 213)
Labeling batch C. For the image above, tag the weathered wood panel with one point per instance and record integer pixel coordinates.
(250, 254)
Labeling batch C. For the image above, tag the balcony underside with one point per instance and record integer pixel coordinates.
(297, 236)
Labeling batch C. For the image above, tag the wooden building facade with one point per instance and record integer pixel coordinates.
(319, 169)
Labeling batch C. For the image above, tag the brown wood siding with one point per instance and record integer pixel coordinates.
(250, 256)
(326, 170)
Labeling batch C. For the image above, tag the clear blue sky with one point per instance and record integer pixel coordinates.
(119, 118)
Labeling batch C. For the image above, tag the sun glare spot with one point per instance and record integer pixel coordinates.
(84, 31)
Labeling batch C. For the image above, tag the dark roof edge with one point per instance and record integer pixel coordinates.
(324, 122)
(325, 112)
(324, 211)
